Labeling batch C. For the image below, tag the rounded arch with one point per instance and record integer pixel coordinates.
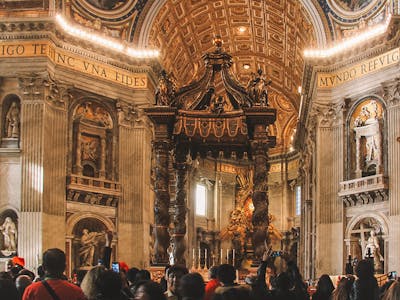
(380, 217)
(360, 100)
(75, 218)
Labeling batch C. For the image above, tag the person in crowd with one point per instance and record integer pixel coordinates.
(174, 275)
(298, 285)
(148, 290)
(27, 273)
(324, 288)
(391, 277)
(54, 263)
(226, 276)
(270, 275)
(40, 274)
(143, 275)
(88, 283)
(212, 284)
(5, 275)
(163, 280)
(192, 287)
(343, 289)
(259, 288)
(21, 283)
(233, 293)
(80, 274)
(366, 286)
(284, 288)
(126, 291)
(8, 290)
(393, 292)
(109, 286)
(131, 276)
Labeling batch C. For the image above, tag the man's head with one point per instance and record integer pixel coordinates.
(174, 275)
(192, 286)
(54, 262)
(226, 274)
(213, 272)
(22, 282)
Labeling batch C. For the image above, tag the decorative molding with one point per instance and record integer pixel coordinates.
(58, 93)
(31, 85)
(330, 115)
(130, 115)
(391, 92)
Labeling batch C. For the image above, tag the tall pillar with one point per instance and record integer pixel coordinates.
(134, 166)
(260, 197)
(329, 166)
(392, 97)
(43, 135)
(163, 119)
(179, 218)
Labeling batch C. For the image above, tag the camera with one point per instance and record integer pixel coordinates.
(115, 267)
(276, 253)
(392, 275)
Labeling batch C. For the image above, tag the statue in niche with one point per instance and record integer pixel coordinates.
(12, 121)
(369, 114)
(371, 149)
(257, 88)
(94, 114)
(9, 231)
(372, 250)
(90, 242)
(165, 92)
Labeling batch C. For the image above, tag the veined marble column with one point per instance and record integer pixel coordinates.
(392, 97)
(329, 165)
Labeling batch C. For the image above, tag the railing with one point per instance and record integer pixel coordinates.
(365, 184)
(94, 184)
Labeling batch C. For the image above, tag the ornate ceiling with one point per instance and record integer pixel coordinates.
(270, 35)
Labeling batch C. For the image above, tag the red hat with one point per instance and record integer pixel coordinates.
(123, 266)
(18, 261)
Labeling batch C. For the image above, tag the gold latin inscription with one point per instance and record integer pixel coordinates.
(329, 80)
(73, 61)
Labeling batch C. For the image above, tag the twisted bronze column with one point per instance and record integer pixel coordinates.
(162, 201)
(260, 197)
(179, 232)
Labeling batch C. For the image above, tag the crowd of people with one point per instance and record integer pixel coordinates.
(123, 283)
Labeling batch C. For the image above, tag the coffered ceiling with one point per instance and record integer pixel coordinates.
(266, 34)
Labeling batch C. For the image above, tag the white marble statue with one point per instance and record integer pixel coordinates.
(372, 248)
(9, 231)
(12, 121)
(89, 243)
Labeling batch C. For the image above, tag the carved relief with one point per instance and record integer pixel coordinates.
(93, 114)
(31, 85)
(330, 115)
(88, 243)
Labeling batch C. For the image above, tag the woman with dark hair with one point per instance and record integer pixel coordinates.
(324, 288)
(343, 289)
(192, 287)
(298, 286)
(148, 290)
(366, 286)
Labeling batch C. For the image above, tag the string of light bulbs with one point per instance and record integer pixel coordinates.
(350, 42)
(103, 41)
